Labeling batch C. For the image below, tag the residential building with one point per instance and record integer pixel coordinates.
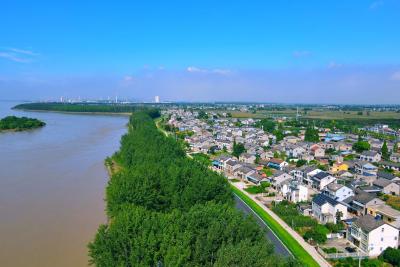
(372, 235)
(338, 192)
(365, 168)
(326, 209)
(390, 187)
(322, 179)
(277, 164)
(370, 156)
(247, 158)
(386, 213)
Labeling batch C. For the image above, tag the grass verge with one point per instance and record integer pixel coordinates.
(295, 248)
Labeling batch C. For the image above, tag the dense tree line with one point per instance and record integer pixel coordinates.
(88, 107)
(19, 124)
(165, 209)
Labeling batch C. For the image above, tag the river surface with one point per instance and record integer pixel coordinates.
(52, 183)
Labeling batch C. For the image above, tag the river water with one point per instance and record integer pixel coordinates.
(52, 183)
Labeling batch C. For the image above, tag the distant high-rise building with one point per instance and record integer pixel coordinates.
(157, 99)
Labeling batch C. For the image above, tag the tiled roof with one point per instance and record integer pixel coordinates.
(321, 199)
(368, 223)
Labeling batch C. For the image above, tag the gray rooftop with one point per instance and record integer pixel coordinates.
(368, 223)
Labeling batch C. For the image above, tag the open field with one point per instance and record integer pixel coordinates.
(321, 114)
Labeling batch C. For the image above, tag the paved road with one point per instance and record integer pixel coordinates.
(279, 247)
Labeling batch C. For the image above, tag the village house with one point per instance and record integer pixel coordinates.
(372, 235)
(279, 178)
(277, 164)
(386, 213)
(390, 187)
(317, 151)
(365, 168)
(338, 192)
(387, 175)
(361, 201)
(294, 192)
(390, 165)
(322, 179)
(395, 157)
(230, 166)
(337, 167)
(327, 210)
(247, 158)
(255, 178)
(370, 156)
(242, 172)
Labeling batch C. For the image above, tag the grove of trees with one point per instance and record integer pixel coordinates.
(165, 209)
(19, 124)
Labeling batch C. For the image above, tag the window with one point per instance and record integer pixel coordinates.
(383, 229)
(382, 239)
(395, 238)
(381, 248)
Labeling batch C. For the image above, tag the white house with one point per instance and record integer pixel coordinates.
(322, 179)
(326, 209)
(370, 156)
(372, 235)
(338, 191)
(280, 178)
(247, 158)
(294, 192)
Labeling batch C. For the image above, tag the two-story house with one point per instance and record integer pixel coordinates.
(338, 192)
(328, 210)
(322, 179)
(373, 235)
(370, 156)
(277, 164)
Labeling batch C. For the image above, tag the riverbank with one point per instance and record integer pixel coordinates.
(166, 208)
(125, 114)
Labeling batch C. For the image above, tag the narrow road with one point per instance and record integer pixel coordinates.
(279, 247)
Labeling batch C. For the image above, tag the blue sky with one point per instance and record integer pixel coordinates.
(274, 51)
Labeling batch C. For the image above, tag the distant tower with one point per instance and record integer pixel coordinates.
(116, 99)
(157, 99)
(297, 114)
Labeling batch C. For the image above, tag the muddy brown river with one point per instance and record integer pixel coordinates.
(52, 183)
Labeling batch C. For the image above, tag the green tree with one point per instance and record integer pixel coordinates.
(385, 151)
(238, 149)
(267, 125)
(361, 146)
(392, 256)
(300, 162)
(202, 115)
(311, 135)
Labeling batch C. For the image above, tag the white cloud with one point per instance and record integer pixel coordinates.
(301, 53)
(128, 78)
(221, 71)
(395, 76)
(22, 51)
(376, 4)
(193, 69)
(18, 55)
(334, 65)
(13, 57)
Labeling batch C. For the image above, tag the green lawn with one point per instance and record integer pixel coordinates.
(297, 250)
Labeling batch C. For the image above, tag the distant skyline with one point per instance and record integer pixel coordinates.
(345, 52)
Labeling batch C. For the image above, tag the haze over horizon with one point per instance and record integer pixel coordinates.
(286, 52)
